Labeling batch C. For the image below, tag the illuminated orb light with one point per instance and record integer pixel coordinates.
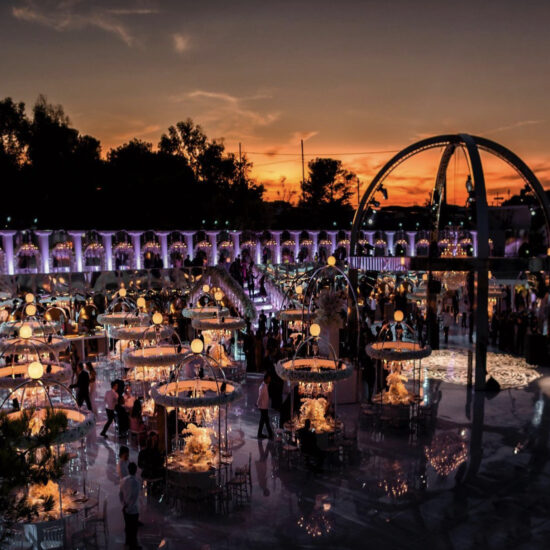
(315, 330)
(30, 310)
(197, 345)
(25, 331)
(299, 289)
(35, 370)
(141, 301)
(29, 298)
(158, 318)
(218, 295)
(398, 316)
(331, 261)
(206, 289)
(122, 293)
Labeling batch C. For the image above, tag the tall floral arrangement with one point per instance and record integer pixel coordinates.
(331, 305)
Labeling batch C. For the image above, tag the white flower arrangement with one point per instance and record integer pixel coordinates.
(331, 304)
(452, 366)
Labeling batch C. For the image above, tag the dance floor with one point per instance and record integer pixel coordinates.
(480, 480)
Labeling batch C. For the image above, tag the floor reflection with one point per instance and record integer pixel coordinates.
(474, 474)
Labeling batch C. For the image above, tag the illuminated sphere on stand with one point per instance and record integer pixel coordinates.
(197, 345)
(35, 370)
(30, 310)
(122, 293)
(25, 332)
(315, 330)
(29, 298)
(331, 261)
(398, 316)
(158, 318)
(206, 289)
(141, 302)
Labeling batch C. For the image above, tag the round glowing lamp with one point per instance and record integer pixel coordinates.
(315, 330)
(331, 261)
(122, 293)
(35, 370)
(398, 316)
(141, 302)
(25, 332)
(206, 289)
(29, 298)
(299, 289)
(158, 318)
(197, 345)
(218, 295)
(30, 310)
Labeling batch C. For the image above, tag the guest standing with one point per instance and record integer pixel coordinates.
(123, 462)
(263, 405)
(111, 400)
(129, 498)
(82, 387)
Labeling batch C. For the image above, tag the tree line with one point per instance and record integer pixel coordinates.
(55, 177)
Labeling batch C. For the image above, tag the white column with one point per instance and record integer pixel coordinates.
(236, 235)
(77, 240)
(189, 242)
(137, 246)
(332, 235)
(277, 239)
(315, 239)
(44, 246)
(474, 242)
(163, 237)
(108, 246)
(213, 235)
(8, 250)
(412, 243)
(258, 251)
(390, 235)
(370, 237)
(296, 238)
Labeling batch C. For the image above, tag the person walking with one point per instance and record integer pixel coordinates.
(129, 498)
(111, 400)
(82, 386)
(263, 405)
(448, 320)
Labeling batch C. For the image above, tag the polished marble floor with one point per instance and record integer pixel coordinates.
(479, 479)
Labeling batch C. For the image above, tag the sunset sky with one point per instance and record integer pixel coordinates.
(357, 80)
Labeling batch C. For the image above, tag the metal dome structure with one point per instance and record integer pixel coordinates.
(483, 261)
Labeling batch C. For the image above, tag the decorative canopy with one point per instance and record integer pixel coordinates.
(154, 356)
(222, 323)
(397, 350)
(313, 369)
(183, 394)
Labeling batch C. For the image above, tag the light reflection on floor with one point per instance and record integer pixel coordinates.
(390, 497)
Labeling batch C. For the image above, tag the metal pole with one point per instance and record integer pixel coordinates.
(303, 164)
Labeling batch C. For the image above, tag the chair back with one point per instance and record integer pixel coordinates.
(54, 535)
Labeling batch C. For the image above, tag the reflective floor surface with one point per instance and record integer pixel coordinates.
(477, 476)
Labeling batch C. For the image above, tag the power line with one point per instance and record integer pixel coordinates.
(319, 154)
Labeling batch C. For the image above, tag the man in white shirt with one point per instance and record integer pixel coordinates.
(129, 497)
(111, 400)
(263, 405)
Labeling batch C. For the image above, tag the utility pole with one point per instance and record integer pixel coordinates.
(303, 168)
(240, 165)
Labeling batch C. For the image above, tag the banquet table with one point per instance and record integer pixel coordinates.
(72, 514)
